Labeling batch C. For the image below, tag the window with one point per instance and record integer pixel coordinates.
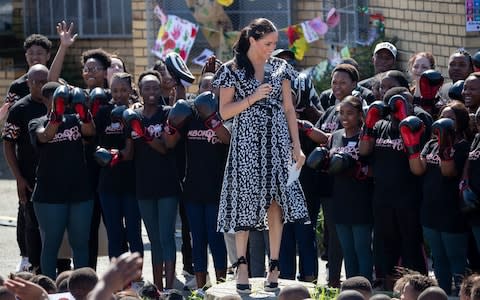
(92, 18)
(240, 14)
(354, 24)
(6, 13)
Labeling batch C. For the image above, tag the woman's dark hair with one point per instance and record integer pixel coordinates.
(355, 102)
(257, 29)
(349, 69)
(399, 77)
(465, 53)
(148, 72)
(158, 65)
(99, 54)
(123, 76)
(462, 118)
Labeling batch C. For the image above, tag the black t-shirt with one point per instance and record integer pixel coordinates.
(352, 197)
(205, 160)
(62, 175)
(156, 174)
(16, 130)
(395, 185)
(17, 90)
(440, 208)
(474, 175)
(119, 179)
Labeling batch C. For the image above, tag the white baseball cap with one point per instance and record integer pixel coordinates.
(386, 45)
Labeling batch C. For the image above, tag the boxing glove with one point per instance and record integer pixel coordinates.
(116, 115)
(411, 131)
(79, 103)
(305, 126)
(429, 83)
(178, 116)
(455, 91)
(133, 124)
(207, 105)
(470, 201)
(105, 157)
(61, 98)
(318, 158)
(340, 162)
(476, 61)
(97, 98)
(376, 111)
(178, 69)
(444, 130)
(398, 107)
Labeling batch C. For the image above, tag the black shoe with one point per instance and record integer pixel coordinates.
(272, 286)
(242, 288)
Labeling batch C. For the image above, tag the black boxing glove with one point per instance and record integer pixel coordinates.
(398, 107)
(105, 157)
(79, 103)
(340, 162)
(97, 98)
(178, 116)
(207, 105)
(455, 91)
(134, 124)
(444, 130)
(61, 98)
(305, 126)
(429, 83)
(376, 111)
(411, 131)
(318, 158)
(178, 69)
(116, 115)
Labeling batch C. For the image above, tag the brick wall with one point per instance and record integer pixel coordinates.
(437, 26)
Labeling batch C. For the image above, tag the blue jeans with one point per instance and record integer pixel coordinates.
(304, 236)
(123, 223)
(159, 216)
(356, 242)
(449, 251)
(203, 224)
(53, 219)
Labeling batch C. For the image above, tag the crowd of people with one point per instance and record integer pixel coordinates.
(391, 160)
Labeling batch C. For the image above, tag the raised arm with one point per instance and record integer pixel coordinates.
(66, 40)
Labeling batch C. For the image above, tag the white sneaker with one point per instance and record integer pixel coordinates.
(24, 265)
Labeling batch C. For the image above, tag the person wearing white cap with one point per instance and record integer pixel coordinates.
(383, 59)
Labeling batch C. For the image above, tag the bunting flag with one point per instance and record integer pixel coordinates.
(296, 41)
(225, 2)
(175, 35)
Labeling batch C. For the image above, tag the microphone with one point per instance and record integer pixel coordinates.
(267, 76)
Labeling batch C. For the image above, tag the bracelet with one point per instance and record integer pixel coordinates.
(248, 101)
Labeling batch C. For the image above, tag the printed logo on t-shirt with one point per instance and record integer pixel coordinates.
(474, 155)
(351, 148)
(114, 128)
(203, 135)
(10, 131)
(396, 144)
(69, 134)
(433, 158)
(329, 127)
(154, 130)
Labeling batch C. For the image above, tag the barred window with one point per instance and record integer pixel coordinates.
(92, 18)
(354, 22)
(6, 12)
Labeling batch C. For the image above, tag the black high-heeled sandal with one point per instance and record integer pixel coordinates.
(272, 286)
(242, 288)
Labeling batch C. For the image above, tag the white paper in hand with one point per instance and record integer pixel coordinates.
(293, 173)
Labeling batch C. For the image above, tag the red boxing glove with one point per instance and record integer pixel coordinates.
(411, 131)
(97, 99)
(305, 126)
(376, 111)
(116, 157)
(430, 82)
(444, 130)
(398, 107)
